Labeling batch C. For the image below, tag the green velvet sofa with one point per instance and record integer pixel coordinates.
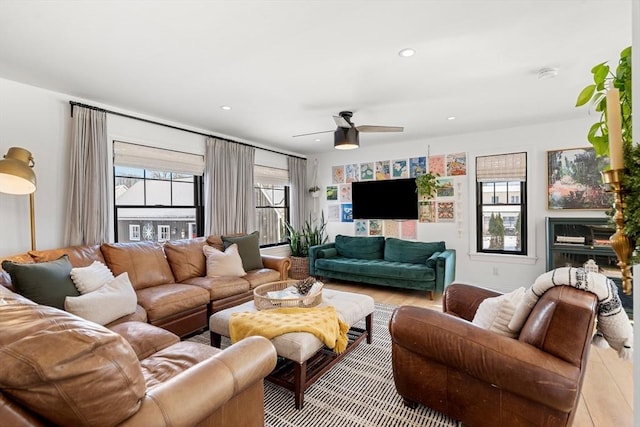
(428, 266)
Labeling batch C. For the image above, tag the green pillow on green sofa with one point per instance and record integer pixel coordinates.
(399, 250)
(360, 247)
(46, 283)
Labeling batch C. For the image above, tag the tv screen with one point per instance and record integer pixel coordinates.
(387, 199)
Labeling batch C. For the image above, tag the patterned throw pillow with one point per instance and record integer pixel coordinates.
(90, 278)
(495, 313)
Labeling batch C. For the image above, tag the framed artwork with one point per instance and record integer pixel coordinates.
(400, 169)
(346, 212)
(351, 173)
(332, 192)
(337, 174)
(574, 180)
(366, 171)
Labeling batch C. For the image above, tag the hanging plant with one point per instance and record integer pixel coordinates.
(427, 185)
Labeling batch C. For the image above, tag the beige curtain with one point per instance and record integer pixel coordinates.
(88, 202)
(298, 185)
(228, 188)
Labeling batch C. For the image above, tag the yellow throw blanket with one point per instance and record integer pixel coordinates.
(323, 322)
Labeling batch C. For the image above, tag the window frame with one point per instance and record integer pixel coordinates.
(286, 207)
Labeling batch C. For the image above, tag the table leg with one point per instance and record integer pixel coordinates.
(369, 322)
(300, 378)
(216, 340)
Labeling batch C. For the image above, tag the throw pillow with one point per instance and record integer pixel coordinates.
(47, 283)
(433, 260)
(495, 313)
(227, 263)
(88, 279)
(249, 249)
(112, 301)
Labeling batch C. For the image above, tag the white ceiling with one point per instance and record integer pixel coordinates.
(285, 67)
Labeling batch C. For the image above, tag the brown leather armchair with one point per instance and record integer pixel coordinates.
(445, 362)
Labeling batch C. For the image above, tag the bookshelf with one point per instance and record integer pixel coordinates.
(571, 242)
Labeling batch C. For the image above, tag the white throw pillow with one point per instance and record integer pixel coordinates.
(88, 279)
(112, 301)
(495, 313)
(227, 263)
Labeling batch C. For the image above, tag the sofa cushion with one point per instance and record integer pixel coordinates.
(249, 249)
(145, 262)
(79, 256)
(227, 263)
(186, 258)
(83, 363)
(399, 250)
(360, 247)
(112, 301)
(221, 287)
(92, 277)
(163, 301)
(145, 339)
(378, 268)
(47, 283)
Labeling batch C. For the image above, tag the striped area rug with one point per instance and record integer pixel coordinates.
(358, 391)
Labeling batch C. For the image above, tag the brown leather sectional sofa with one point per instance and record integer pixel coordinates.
(58, 369)
(170, 280)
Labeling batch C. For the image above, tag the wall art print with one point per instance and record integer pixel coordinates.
(366, 171)
(436, 165)
(417, 166)
(574, 180)
(383, 170)
(409, 229)
(344, 195)
(391, 228)
(346, 212)
(457, 164)
(333, 213)
(427, 211)
(446, 212)
(332, 192)
(400, 169)
(375, 227)
(361, 227)
(445, 187)
(337, 174)
(351, 173)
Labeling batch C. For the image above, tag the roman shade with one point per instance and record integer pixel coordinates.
(142, 156)
(502, 167)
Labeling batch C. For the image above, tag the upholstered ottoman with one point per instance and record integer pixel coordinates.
(304, 355)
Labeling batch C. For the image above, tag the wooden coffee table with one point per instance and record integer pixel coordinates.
(303, 358)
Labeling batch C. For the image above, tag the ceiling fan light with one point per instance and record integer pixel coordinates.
(346, 139)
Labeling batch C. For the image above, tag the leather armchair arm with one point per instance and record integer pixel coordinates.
(463, 300)
(278, 263)
(194, 394)
(503, 362)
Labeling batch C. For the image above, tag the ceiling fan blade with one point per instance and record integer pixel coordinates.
(312, 133)
(369, 128)
(341, 122)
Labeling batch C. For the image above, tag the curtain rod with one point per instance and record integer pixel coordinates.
(128, 116)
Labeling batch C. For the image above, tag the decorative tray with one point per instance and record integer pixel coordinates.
(284, 294)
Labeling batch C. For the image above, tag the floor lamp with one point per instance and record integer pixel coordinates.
(17, 177)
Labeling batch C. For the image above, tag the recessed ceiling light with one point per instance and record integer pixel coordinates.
(547, 73)
(451, 118)
(225, 107)
(317, 140)
(405, 53)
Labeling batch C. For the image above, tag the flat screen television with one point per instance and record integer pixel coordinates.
(387, 199)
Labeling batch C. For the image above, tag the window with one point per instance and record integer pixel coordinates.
(134, 232)
(156, 200)
(272, 197)
(501, 220)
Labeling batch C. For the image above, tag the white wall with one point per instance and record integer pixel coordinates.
(502, 273)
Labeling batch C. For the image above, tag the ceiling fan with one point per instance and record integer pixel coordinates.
(346, 136)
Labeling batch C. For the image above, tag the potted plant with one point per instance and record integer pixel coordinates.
(314, 191)
(598, 134)
(427, 185)
(312, 234)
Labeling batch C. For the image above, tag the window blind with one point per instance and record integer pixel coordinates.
(266, 175)
(502, 167)
(152, 158)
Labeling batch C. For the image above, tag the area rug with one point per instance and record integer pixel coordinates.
(358, 391)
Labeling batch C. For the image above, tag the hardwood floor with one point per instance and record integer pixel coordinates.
(607, 393)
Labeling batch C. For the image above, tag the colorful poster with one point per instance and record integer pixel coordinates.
(400, 169)
(361, 227)
(445, 212)
(332, 192)
(427, 211)
(445, 187)
(366, 171)
(391, 228)
(457, 164)
(333, 213)
(383, 170)
(417, 166)
(351, 173)
(409, 229)
(344, 193)
(346, 212)
(436, 165)
(337, 174)
(375, 227)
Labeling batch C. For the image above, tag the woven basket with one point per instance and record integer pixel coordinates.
(263, 302)
(299, 267)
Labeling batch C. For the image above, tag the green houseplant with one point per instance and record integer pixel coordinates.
(427, 185)
(598, 134)
(312, 233)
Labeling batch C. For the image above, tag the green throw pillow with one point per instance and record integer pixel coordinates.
(46, 283)
(249, 249)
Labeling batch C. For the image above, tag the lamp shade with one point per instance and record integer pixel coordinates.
(16, 172)
(346, 139)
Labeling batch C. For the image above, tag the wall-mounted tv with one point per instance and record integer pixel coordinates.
(387, 199)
